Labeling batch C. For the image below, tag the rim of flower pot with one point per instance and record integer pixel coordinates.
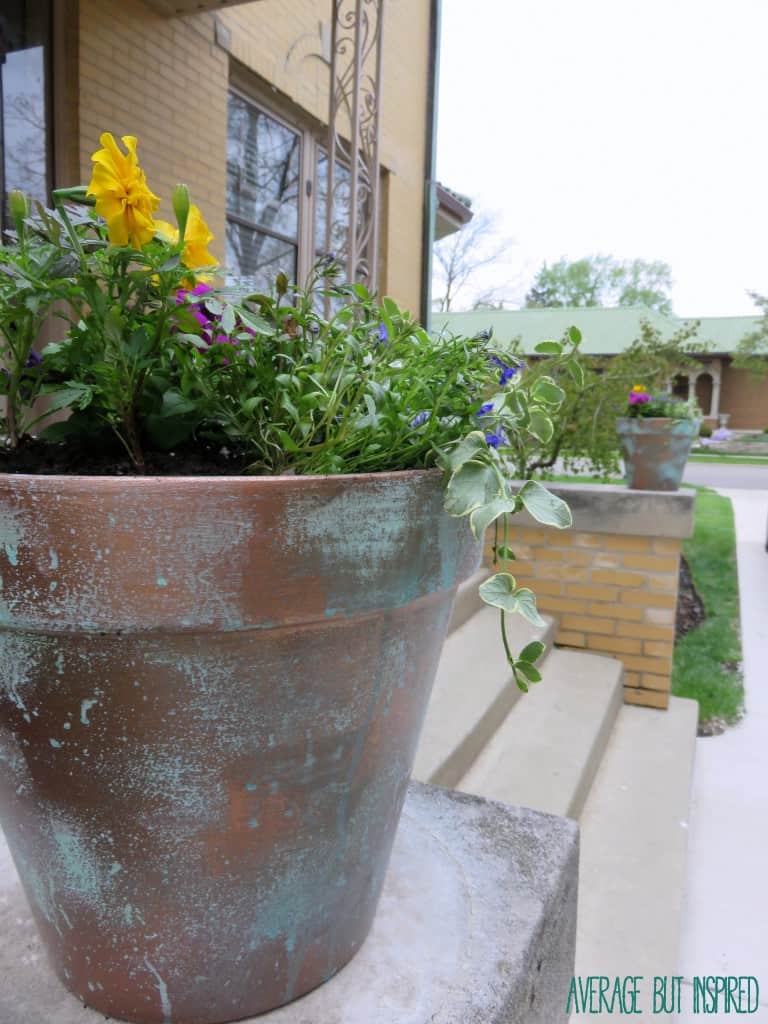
(220, 478)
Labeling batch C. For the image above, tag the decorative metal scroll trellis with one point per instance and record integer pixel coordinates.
(354, 130)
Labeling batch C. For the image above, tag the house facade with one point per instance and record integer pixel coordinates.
(300, 126)
(722, 389)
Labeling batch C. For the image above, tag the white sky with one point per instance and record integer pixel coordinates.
(636, 128)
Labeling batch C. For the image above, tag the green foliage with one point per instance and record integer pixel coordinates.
(113, 370)
(596, 395)
(33, 273)
(752, 351)
(705, 430)
(156, 361)
(707, 660)
(602, 281)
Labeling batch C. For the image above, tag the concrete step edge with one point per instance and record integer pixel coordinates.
(547, 751)
(634, 845)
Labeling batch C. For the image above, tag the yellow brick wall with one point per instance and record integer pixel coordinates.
(165, 80)
(610, 594)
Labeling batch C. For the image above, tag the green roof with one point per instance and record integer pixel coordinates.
(604, 331)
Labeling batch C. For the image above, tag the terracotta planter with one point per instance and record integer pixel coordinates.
(211, 692)
(655, 451)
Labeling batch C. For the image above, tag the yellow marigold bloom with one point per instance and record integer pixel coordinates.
(122, 196)
(639, 389)
(196, 239)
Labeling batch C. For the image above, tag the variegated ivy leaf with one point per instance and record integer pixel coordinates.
(499, 591)
(471, 486)
(526, 605)
(544, 506)
(541, 425)
(466, 449)
(482, 517)
(549, 348)
(545, 390)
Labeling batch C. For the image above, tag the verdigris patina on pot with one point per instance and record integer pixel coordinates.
(211, 691)
(655, 450)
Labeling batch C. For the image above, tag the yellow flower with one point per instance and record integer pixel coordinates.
(122, 196)
(196, 239)
(639, 389)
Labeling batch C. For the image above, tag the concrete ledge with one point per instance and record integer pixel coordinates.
(608, 508)
(477, 925)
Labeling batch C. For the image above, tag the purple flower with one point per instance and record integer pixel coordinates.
(638, 398)
(32, 361)
(494, 440)
(420, 419)
(507, 372)
(485, 409)
(383, 334)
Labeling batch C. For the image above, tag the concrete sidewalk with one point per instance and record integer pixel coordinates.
(725, 921)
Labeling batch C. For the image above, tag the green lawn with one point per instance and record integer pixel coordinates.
(706, 659)
(718, 457)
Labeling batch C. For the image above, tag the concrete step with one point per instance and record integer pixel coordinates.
(548, 749)
(633, 847)
(468, 601)
(473, 693)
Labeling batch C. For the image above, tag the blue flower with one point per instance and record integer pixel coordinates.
(507, 372)
(494, 440)
(383, 333)
(420, 419)
(485, 409)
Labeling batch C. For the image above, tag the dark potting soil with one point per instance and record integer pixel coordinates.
(690, 607)
(45, 459)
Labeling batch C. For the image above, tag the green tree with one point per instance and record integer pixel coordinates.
(752, 351)
(585, 426)
(602, 281)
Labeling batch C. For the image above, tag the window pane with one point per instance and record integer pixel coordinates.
(257, 257)
(263, 169)
(24, 31)
(341, 190)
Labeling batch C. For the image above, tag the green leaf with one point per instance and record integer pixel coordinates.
(526, 605)
(482, 517)
(532, 652)
(499, 592)
(541, 425)
(574, 335)
(473, 484)
(255, 322)
(287, 441)
(466, 449)
(549, 348)
(574, 367)
(503, 551)
(531, 674)
(78, 396)
(544, 506)
(228, 320)
(545, 390)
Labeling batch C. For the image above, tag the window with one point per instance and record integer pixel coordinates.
(24, 133)
(277, 187)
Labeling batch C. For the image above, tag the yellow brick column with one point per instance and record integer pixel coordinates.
(611, 581)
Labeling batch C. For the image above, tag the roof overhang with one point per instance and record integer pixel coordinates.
(171, 8)
(451, 214)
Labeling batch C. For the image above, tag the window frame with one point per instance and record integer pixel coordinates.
(312, 142)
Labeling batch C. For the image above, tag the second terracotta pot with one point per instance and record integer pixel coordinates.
(655, 451)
